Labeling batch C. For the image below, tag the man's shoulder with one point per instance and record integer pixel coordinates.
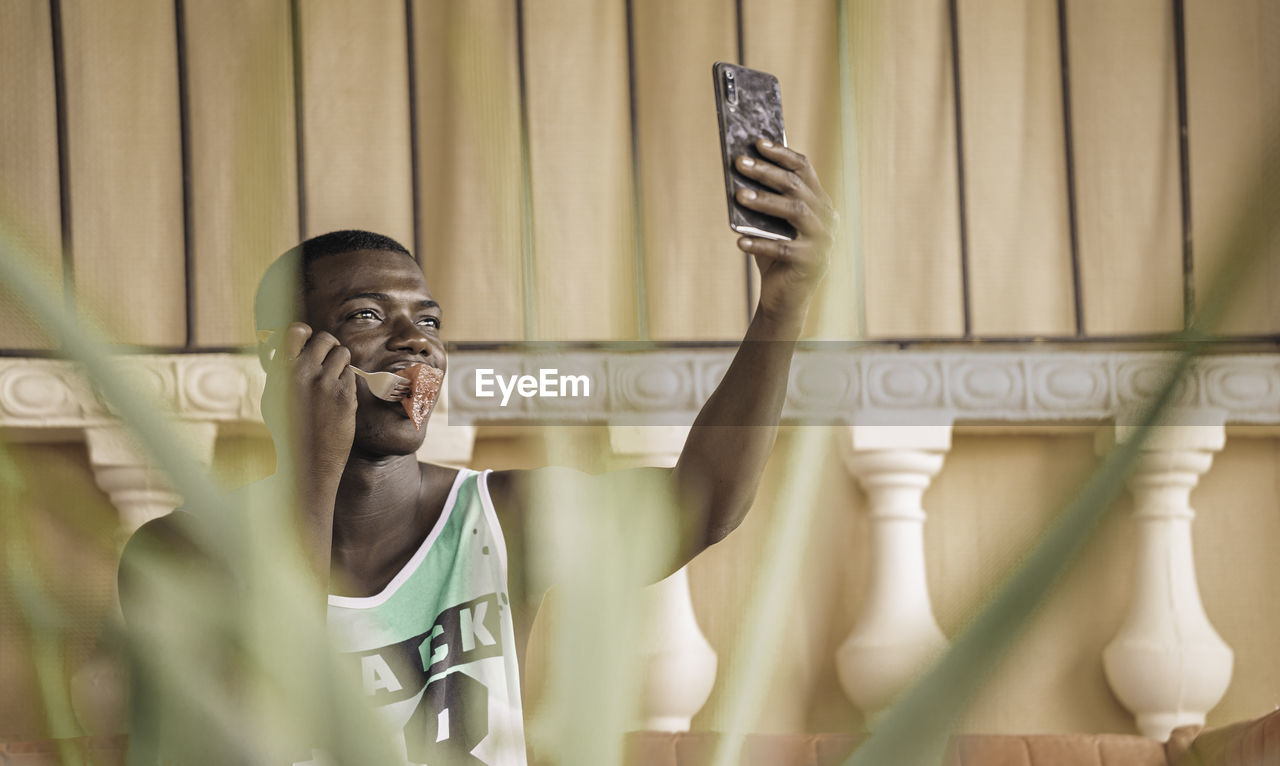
(515, 490)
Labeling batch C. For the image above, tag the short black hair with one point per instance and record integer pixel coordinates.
(279, 299)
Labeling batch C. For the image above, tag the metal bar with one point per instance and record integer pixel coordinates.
(1069, 146)
(741, 41)
(411, 56)
(526, 183)
(637, 187)
(64, 151)
(184, 132)
(1184, 164)
(299, 119)
(953, 16)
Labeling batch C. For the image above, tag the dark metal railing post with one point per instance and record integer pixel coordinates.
(184, 142)
(637, 187)
(411, 63)
(526, 183)
(1184, 163)
(963, 214)
(299, 117)
(64, 155)
(1068, 137)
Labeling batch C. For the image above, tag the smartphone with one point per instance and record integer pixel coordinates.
(749, 107)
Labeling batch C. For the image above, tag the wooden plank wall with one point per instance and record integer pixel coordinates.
(1016, 189)
(29, 209)
(125, 167)
(419, 120)
(1234, 112)
(471, 205)
(244, 182)
(1124, 102)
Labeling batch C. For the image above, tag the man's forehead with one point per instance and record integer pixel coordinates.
(368, 271)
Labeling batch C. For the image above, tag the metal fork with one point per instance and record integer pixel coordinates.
(384, 385)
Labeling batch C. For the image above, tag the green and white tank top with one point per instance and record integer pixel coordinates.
(436, 647)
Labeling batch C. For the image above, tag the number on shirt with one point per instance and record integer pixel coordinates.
(450, 720)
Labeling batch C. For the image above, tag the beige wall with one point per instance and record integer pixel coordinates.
(612, 245)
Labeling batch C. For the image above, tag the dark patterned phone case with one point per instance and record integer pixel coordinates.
(749, 107)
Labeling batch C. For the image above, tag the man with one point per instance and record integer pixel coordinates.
(413, 555)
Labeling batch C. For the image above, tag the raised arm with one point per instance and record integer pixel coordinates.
(725, 453)
(715, 480)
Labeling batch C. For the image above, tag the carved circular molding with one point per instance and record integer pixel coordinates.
(1073, 385)
(1138, 380)
(37, 391)
(668, 386)
(1244, 387)
(988, 385)
(822, 385)
(653, 383)
(214, 387)
(904, 383)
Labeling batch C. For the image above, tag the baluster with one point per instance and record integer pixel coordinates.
(679, 663)
(1167, 664)
(896, 635)
(136, 488)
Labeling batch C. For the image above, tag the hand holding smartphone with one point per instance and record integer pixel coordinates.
(749, 107)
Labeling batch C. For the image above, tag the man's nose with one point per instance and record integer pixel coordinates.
(410, 336)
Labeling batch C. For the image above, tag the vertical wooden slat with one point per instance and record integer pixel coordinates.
(1233, 71)
(243, 187)
(798, 44)
(126, 167)
(694, 274)
(29, 204)
(356, 117)
(907, 167)
(580, 161)
(1019, 248)
(1124, 114)
(468, 98)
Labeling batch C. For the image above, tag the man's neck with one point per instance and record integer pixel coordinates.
(377, 497)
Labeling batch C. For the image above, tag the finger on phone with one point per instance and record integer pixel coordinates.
(792, 209)
(789, 159)
(781, 250)
(779, 179)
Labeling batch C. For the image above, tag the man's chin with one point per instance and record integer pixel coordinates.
(395, 438)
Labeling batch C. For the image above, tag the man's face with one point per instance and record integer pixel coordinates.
(377, 304)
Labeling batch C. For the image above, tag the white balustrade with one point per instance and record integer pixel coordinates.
(1167, 664)
(679, 663)
(896, 635)
(138, 490)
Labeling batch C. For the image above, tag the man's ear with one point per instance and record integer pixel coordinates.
(267, 340)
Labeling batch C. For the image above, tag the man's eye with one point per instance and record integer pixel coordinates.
(364, 314)
(430, 322)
